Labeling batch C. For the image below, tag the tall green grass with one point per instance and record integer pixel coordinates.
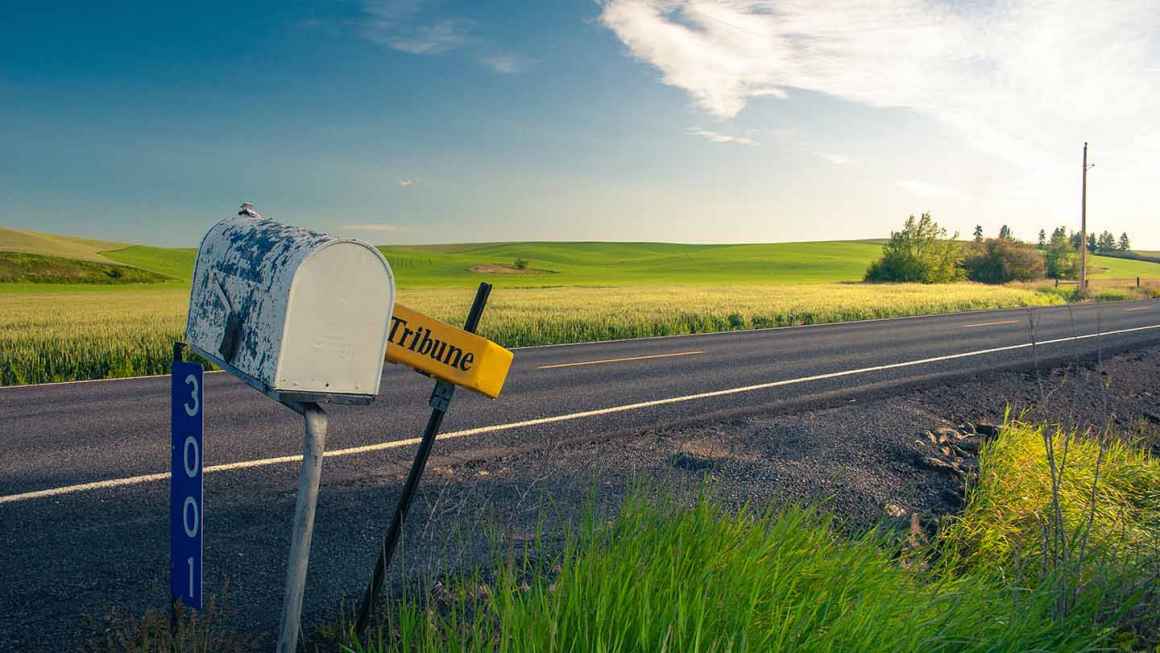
(662, 577)
(1106, 501)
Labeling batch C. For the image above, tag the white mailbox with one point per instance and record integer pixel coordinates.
(297, 314)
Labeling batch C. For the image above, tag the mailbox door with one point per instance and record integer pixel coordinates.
(337, 317)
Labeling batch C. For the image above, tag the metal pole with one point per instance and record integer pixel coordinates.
(1083, 227)
(440, 400)
(313, 445)
(178, 357)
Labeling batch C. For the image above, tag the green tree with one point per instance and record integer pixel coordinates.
(1107, 241)
(1042, 238)
(920, 252)
(1125, 244)
(1061, 260)
(1005, 233)
(1093, 244)
(978, 233)
(1000, 260)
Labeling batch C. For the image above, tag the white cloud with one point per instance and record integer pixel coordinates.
(1019, 79)
(836, 159)
(387, 228)
(718, 137)
(507, 64)
(407, 183)
(400, 24)
(924, 189)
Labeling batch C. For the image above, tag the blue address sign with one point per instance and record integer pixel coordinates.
(186, 514)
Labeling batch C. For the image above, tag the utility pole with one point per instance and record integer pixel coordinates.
(1083, 227)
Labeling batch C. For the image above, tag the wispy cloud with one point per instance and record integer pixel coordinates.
(507, 64)
(836, 159)
(718, 137)
(1017, 78)
(380, 228)
(404, 25)
(407, 183)
(924, 189)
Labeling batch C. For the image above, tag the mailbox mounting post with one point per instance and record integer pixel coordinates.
(313, 446)
(440, 401)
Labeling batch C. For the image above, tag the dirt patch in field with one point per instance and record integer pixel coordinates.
(499, 268)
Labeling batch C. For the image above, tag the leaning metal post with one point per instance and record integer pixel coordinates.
(308, 478)
(440, 400)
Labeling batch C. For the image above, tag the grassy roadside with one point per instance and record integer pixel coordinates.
(663, 577)
(1003, 575)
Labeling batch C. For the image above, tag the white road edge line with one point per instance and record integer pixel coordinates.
(1137, 308)
(995, 323)
(620, 360)
(394, 444)
(923, 316)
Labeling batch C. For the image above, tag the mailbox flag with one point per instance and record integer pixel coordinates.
(446, 352)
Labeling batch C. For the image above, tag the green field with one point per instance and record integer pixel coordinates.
(32, 242)
(573, 264)
(22, 267)
(559, 263)
(568, 292)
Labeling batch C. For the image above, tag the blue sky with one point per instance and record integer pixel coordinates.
(424, 121)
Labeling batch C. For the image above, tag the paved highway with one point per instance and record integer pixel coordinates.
(83, 490)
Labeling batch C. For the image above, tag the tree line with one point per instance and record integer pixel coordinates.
(923, 252)
(1105, 243)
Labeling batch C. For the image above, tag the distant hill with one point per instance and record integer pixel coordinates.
(34, 257)
(521, 264)
(593, 263)
(31, 242)
(21, 267)
(173, 262)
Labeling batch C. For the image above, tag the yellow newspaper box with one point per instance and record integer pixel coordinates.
(446, 352)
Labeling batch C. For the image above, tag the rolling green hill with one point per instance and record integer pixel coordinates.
(20, 267)
(570, 264)
(32, 242)
(545, 264)
(174, 263)
(1121, 268)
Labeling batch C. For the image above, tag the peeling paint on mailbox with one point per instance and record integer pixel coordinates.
(297, 314)
(445, 352)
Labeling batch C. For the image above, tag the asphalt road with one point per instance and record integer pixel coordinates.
(83, 497)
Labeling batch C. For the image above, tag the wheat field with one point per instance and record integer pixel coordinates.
(64, 335)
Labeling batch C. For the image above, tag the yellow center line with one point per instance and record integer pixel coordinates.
(981, 324)
(620, 360)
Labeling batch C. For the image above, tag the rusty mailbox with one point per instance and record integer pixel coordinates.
(300, 315)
